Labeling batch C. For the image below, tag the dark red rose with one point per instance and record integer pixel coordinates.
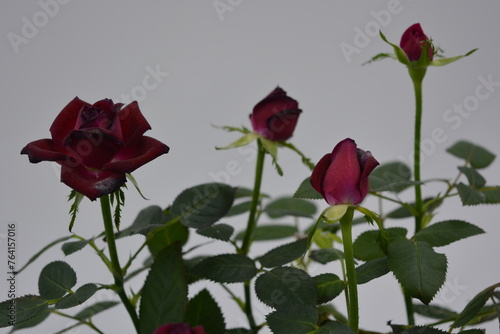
(276, 116)
(342, 176)
(96, 144)
(179, 328)
(412, 42)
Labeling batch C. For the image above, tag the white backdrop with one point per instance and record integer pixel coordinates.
(193, 64)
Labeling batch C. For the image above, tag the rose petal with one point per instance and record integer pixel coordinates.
(133, 123)
(368, 164)
(134, 156)
(92, 184)
(319, 172)
(66, 120)
(44, 150)
(341, 179)
(281, 126)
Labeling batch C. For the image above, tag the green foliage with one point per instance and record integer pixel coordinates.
(286, 286)
(55, 280)
(166, 236)
(147, 219)
(203, 205)
(94, 309)
(22, 309)
(334, 327)
(203, 310)
(293, 319)
(434, 311)
(288, 206)
(368, 245)
(73, 246)
(79, 297)
(372, 269)
(226, 268)
(164, 294)
(329, 286)
(306, 191)
(474, 306)
(326, 255)
(77, 198)
(418, 268)
(283, 254)
(446, 232)
(270, 232)
(221, 232)
(393, 176)
(469, 195)
(477, 156)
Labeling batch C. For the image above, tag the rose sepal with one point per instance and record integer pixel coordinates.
(446, 61)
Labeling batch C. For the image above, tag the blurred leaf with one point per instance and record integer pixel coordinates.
(418, 268)
(286, 286)
(165, 236)
(203, 310)
(367, 245)
(372, 269)
(226, 268)
(492, 195)
(79, 297)
(148, 219)
(477, 156)
(290, 207)
(55, 280)
(164, 294)
(92, 310)
(446, 61)
(221, 232)
(335, 327)
(334, 213)
(238, 209)
(474, 306)
(243, 141)
(22, 309)
(392, 176)
(35, 321)
(423, 330)
(73, 246)
(475, 179)
(470, 196)
(294, 319)
(306, 191)
(434, 311)
(283, 254)
(329, 286)
(446, 232)
(203, 205)
(326, 255)
(270, 232)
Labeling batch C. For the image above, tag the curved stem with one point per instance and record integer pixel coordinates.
(352, 286)
(115, 263)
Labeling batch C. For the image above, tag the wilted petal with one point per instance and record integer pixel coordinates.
(44, 150)
(90, 183)
(134, 156)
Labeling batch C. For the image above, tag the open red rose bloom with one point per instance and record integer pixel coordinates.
(96, 145)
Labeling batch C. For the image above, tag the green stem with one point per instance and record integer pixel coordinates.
(252, 222)
(409, 309)
(352, 287)
(115, 263)
(251, 225)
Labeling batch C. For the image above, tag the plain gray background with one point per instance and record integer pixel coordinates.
(214, 60)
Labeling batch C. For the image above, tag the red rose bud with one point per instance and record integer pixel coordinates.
(96, 144)
(412, 42)
(179, 328)
(276, 116)
(341, 177)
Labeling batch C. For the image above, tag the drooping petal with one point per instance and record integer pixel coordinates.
(44, 150)
(341, 179)
(134, 156)
(133, 123)
(90, 183)
(66, 120)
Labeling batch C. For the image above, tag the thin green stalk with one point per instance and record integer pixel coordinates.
(410, 312)
(417, 85)
(352, 286)
(251, 225)
(115, 263)
(252, 222)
